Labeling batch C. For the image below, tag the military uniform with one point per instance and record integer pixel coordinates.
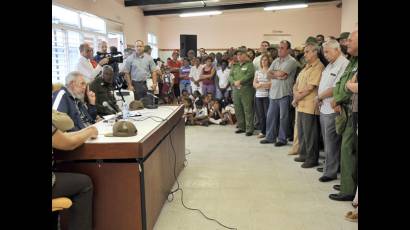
(243, 97)
(103, 92)
(348, 164)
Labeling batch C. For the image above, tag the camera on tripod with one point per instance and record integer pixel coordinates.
(113, 57)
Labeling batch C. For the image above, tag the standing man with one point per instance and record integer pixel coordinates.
(282, 75)
(342, 104)
(343, 43)
(264, 50)
(241, 79)
(104, 92)
(175, 65)
(330, 75)
(138, 67)
(84, 65)
(102, 50)
(305, 92)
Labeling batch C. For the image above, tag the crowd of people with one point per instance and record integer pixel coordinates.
(307, 95)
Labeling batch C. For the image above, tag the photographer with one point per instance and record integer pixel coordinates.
(102, 51)
(103, 88)
(84, 65)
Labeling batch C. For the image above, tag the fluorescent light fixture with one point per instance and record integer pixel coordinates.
(203, 13)
(285, 7)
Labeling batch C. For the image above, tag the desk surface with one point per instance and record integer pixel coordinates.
(150, 133)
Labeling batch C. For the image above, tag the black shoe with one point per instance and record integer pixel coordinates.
(309, 165)
(299, 159)
(264, 141)
(239, 131)
(336, 187)
(326, 179)
(249, 134)
(278, 144)
(290, 139)
(319, 169)
(341, 197)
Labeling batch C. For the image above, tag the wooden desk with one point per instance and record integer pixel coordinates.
(131, 176)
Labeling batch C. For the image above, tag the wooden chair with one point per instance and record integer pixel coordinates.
(61, 203)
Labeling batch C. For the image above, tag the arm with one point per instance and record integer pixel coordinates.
(70, 141)
(207, 76)
(325, 94)
(303, 93)
(256, 84)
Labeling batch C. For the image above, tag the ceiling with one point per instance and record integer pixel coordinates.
(166, 7)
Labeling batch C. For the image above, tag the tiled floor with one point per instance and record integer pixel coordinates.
(249, 186)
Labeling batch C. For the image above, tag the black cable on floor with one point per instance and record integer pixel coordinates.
(182, 193)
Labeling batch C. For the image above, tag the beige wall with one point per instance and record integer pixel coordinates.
(349, 15)
(247, 28)
(132, 18)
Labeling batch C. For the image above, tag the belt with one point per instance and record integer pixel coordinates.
(140, 81)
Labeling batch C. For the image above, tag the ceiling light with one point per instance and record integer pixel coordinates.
(285, 7)
(203, 13)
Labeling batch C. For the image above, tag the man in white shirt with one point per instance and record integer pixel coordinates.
(330, 76)
(264, 50)
(196, 70)
(222, 86)
(84, 65)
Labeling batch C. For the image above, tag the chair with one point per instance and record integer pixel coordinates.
(127, 94)
(61, 203)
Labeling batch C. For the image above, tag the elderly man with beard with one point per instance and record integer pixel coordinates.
(72, 98)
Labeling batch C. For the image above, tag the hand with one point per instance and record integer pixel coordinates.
(93, 132)
(130, 87)
(294, 103)
(103, 61)
(237, 84)
(98, 118)
(333, 104)
(154, 86)
(318, 101)
(91, 97)
(257, 85)
(337, 109)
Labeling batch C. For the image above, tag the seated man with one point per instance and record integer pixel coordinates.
(71, 100)
(104, 92)
(77, 187)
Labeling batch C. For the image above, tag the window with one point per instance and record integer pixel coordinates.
(70, 28)
(152, 41)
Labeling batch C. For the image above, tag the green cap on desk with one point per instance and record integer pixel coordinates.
(123, 129)
(61, 121)
(136, 105)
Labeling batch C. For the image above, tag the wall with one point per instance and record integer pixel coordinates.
(135, 25)
(349, 15)
(248, 27)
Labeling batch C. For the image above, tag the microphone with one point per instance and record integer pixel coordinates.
(107, 105)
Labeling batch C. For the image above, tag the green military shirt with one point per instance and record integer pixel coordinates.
(340, 94)
(103, 92)
(244, 72)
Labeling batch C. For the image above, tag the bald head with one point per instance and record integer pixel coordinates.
(103, 47)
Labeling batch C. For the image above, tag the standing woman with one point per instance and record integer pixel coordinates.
(207, 77)
(262, 85)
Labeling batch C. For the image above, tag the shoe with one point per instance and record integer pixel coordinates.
(223, 123)
(264, 141)
(341, 197)
(352, 216)
(260, 135)
(319, 169)
(290, 139)
(309, 165)
(239, 131)
(278, 144)
(299, 159)
(336, 187)
(248, 134)
(293, 153)
(326, 179)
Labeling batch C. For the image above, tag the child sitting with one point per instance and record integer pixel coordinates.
(188, 111)
(184, 95)
(167, 79)
(201, 113)
(216, 116)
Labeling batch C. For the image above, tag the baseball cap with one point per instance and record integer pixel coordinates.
(240, 50)
(62, 121)
(123, 129)
(344, 35)
(136, 105)
(311, 39)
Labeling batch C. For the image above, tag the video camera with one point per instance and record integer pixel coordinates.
(113, 57)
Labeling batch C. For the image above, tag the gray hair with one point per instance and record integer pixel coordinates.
(313, 46)
(72, 76)
(332, 44)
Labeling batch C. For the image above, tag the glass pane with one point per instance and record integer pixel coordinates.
(154, 53)
(58, 56)
(74, 41)
(116, 40)
(65, 16)
(92, 23)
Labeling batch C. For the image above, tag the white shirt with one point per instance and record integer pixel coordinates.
(330, 76)
(85, 67)
(257, 62)
(201, 113)
(194, 74)
(261, 78)
(223, 77)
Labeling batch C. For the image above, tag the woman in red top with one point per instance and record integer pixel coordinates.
(207, 77)
(175, 65)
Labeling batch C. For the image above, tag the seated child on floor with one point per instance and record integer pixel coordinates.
(216, 116)
(188, 111)
(200, 113)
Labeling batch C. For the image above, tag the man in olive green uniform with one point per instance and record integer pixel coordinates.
(103, 89)
(342, 104)
(241, 79)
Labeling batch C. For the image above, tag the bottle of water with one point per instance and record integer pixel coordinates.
(125, 111)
